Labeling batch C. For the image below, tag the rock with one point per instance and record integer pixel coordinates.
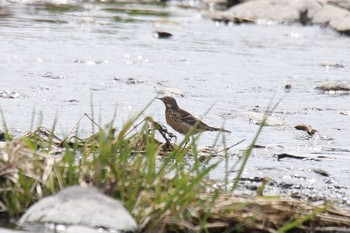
(340, 3)
(162, 34)
(327, 13)
(287, 88)
(285, 185)
(50, 75)
(336, 17)
(270, 11)
(334, 86)
(80, 206)
(169, 91)
(330, 13)
(346, 113)
(329, 64)
(320, 172)
(258, 117)
(341, 25)
(285, 155)
(221, 4)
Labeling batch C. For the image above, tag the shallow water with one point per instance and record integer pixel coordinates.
(56, 61)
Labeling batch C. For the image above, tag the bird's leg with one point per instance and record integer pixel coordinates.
(168, 136)
(171, 136)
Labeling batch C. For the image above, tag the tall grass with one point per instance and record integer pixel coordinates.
(126, 165)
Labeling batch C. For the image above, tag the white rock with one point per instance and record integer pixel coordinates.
(169, 91)
(258, 117)
(80, 206)
(333, 86)
(341, 24)
(268, 11)
(328, 13)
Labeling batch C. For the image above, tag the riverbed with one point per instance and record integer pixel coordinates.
(60, 61)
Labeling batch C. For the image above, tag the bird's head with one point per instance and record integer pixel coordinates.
(169, 102)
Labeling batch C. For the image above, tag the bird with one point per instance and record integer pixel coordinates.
(183, 121)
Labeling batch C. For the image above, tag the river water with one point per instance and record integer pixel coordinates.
(58, 59)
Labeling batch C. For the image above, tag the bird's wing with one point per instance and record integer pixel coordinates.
(187, 117)
(191, 120)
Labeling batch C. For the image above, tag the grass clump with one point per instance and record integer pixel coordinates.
(155, 181)
(129, 165)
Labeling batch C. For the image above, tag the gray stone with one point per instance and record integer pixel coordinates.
(341, 24)
(270, 11)
(80, 206)
(336, 17)
(334, 86)
(340, 3)
(329, 13)
(257, 118)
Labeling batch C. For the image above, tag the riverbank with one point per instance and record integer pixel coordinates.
(154, 179)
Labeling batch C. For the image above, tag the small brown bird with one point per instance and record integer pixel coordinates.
(183, 121)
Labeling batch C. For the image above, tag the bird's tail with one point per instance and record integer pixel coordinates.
(219, 129)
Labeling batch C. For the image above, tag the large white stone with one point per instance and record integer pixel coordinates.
(80, 206)
(265, 11)
(329, 13)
